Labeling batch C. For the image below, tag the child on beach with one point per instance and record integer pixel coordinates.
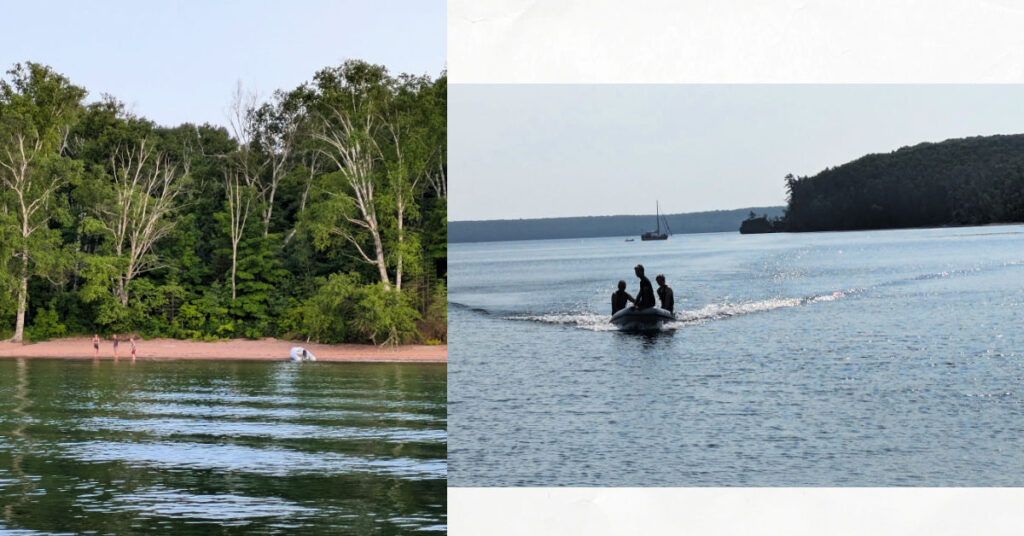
(115, 347)
(95, 346)
(131, 339)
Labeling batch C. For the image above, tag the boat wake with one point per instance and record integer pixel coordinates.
(589, 320)
(462, 306)
(715, 311)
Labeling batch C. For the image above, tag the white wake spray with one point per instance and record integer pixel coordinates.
(714, 311)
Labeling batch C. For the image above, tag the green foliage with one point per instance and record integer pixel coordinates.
(960, 181)
(46, 325)
(299, 276)
(324, 317)
(37, 107)
(384, 316)
(346, 310)
(259, 301)
(435, 324)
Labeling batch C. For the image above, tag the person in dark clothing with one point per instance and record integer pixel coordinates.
(620, 298)
(644, 298)
(665, 294)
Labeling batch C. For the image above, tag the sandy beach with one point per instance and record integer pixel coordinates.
(263, 349)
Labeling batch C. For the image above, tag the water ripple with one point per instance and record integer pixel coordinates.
(263, 461)
(276, 430)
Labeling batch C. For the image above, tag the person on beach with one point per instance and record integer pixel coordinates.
(131, 340)
(644, 298)
(115, 347)
(665, 294)
(95, 346)
(620, 298)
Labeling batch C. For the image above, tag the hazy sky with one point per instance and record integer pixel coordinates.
(529, 151)
(178, 61)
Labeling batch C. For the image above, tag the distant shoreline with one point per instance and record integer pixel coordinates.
(909, 228)
(714, 221)
(236, 349)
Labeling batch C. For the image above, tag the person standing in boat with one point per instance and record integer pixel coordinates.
(644, 298)
(620, 298)
(665, 294)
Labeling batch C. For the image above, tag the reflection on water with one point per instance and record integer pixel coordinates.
(159, 502)
(198, 447)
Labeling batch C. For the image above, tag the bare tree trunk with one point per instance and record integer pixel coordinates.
(122, 295)
(234, 266)
(239, 204)
(19, 324)
(401, 240)
(268, 211)
(381, 266)
(439, 182)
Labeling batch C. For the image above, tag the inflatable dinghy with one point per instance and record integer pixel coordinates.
(299, 353)
(649, 319)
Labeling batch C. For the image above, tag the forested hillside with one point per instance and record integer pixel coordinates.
(593, 226)
(967, 181)
(317, 213)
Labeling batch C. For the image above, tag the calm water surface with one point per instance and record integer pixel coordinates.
(222, 447)
(883, 358)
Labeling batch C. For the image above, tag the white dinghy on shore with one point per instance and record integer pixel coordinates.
(299, 353)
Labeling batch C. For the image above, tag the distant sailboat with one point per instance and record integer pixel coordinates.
(656, 235)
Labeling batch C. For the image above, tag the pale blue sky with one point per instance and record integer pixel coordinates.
(531, 151)
(178, 61)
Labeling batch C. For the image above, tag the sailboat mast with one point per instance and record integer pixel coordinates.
(657, 217)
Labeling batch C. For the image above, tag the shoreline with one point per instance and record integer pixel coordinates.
(269, 349)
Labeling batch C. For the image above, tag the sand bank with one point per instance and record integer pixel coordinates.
(263, 349)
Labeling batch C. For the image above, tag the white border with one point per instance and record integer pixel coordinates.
(783, 511)
(735, 41)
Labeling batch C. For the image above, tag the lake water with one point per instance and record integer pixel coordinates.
(884, 358)
(188, 447)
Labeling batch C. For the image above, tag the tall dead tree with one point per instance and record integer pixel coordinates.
(144, 192)
(242, 171)
(239, 198)
(350, 145)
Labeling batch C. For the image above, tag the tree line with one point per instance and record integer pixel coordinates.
(318, 213)
(966, 181)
